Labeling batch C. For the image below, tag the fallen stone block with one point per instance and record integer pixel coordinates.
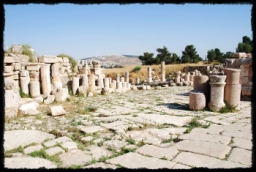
(49, 99)
(57, 111)
(29, 108)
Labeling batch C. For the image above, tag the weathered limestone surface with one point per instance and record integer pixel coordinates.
(28, 162)
(45, 80)
(136, 161)
(15, 138)
(201, 83)
(168, 153)
(34, 88)
(197, 160)
(241, 156)
(206, 148)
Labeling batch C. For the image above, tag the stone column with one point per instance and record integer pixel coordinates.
(124, 84)
(217, 92)
(177, 78)
(122, 79)
(110, 80)
(149, 74)
(75, 85)
(201, 83)
(129, 86)
(24, 81)
(100, 82)
(106, 82)
(187, 77)
(91, 82)
(55, 69)
(85, 80)
(126, 76)
(137, 81)
(114, 82)
(163, 71)
(45, 80)
(118, 85)
(117, 77)
(192, 78)
(34, 89)
(232, 89)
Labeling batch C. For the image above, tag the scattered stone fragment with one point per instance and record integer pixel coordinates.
(54, 151)
(57, 140)
(57, 111)
(32, 149)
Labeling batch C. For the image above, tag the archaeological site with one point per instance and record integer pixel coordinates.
(59, 115)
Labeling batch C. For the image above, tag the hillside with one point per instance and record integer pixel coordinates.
(116, 60)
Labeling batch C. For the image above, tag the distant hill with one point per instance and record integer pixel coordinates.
(124, 60)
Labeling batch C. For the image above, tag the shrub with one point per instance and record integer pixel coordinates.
(26, 50)
(137, 68)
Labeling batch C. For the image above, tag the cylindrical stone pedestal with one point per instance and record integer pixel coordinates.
(100, 82)
(202, 83)
(137, 81)
(34, 88)
(232, 88)
(233, 75)
(124, 84)
(114, 82)
(217, 92)
(118, 85)
(197, 100)
(163, 71)
(232, 94)
(75, 85)
(24, 84)
(106, 82)
(149, 74)
(126, 76)
(112, 85)
(85, 80)
(91, 82)
(45, 80)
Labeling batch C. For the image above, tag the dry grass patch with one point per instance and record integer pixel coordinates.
(143, 72)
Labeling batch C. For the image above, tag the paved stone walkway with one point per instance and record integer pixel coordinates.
(136, 129)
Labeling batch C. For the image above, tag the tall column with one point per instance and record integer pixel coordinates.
(126, 76)
(117, 77)
(24, 81)
(122, 79)
(217, 92)
(45, 80)
(118, 85)
(100, 82)
(201, 83)
(192, 74)
(106, 82)
(232, 89)
(91, 82)
(85, 80)
(114, 83)
(163, 71)
(149, 74)
(75, 85)
(137, 81)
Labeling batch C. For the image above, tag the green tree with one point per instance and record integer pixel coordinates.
(245, 46)
(189, 55)
(175, 58)
(147, 58)
(163, 55)
(211, 55)
(219, 55)
(228, 55)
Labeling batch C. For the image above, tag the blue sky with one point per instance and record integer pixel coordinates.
(111, 29)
